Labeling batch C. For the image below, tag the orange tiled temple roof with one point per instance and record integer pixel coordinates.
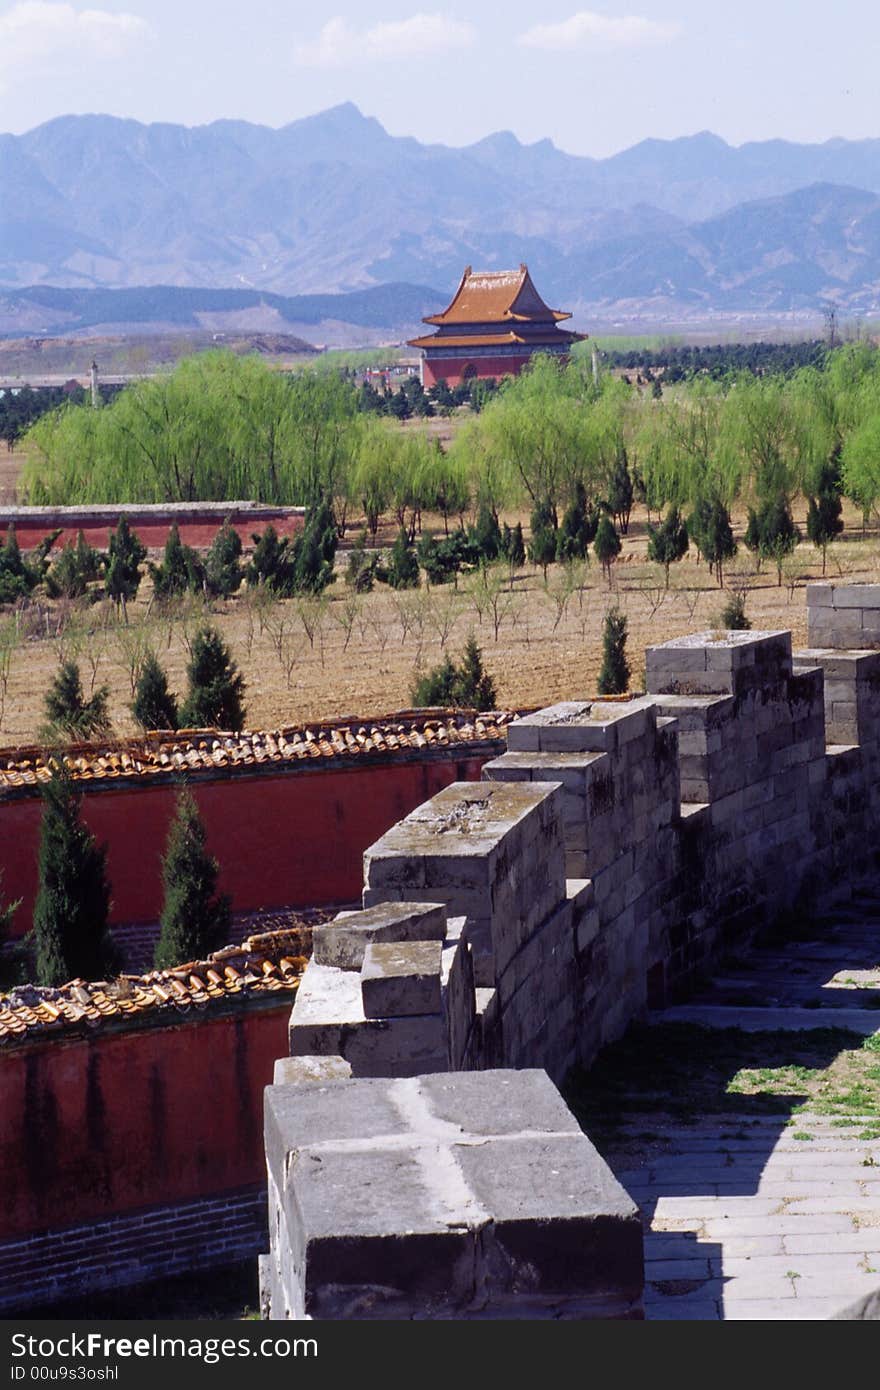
(212, 750)
(263, 966)
(496, 296)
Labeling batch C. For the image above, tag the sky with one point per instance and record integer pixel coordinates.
(594, 80)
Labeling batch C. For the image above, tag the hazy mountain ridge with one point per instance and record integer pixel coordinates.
(333, 203)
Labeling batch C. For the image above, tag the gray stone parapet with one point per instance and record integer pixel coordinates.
(465, 1196)
(843, 616)
(724, 663)
(492, 853)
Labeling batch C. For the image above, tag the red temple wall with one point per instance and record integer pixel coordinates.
(104, 1125)
(295, 839)
(198, 534)
(451, 369)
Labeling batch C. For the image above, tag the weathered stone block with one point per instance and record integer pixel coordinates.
(328, 1019)
(462, 1196)
(300, 1071)
(401, 978)
(343, 941)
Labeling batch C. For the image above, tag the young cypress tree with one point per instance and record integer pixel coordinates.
(124, 556)
(315, 551)
(216, 686)
(621, 491)
(475, 688)
(67, 709)
(73, 569)
(223, 572)
(516, 555)
(607, 546)
(542, 545)
(614, 674)
(668, 542)
(181, 568)
(468, 685)
(272, 562)
(486, 535)
(824, 522)
(574, 532)
(403, 570)
(70, 934)
(154, 706)
(195, 918)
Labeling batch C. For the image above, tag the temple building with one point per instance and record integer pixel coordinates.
(493, 326)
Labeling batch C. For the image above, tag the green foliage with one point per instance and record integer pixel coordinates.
(542, 543)
(824, 520)
(360, 572)
(315, 551)
(125, 555)
(70, 936)
(215, 697)
(403, 567)
(19, 577)
(771, 532)
(154, 707)
(607, 546)
(223, 571)
(485, 537)
(180, 571)
(668, 542)
(67, 709)
(733, 615)
(195, 919)
(271, 562)
(443, 559)
(217, 427)
(515, 550)
(621, 491)
(614, 673)
(73, 570)
(710, 529)
(466, 686)
(577, 530)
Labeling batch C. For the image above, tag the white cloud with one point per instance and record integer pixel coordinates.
(586, 29)
(37, 35)
(338, 45)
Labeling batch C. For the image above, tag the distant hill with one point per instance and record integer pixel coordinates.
(41, 310)
(335, 203)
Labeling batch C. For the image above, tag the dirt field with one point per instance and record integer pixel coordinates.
(364, 651)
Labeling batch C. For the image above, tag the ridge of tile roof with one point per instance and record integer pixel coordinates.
(265, 964)
(209, 750)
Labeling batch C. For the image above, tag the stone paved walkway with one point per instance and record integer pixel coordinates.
(756, 1216)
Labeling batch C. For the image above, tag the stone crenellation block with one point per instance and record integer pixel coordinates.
(401, 978)
(343, 941)
(483, 1176)
(843, 616)
(729, 664)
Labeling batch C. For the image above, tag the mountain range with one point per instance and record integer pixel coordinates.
(334, 203)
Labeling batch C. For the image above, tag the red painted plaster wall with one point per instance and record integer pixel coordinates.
(154, 535)
(134, 1119)
(451, 369)
(295, 839)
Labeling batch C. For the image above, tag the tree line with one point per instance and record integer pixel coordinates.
(223, 427)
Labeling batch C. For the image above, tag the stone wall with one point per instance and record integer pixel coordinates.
(607, 857)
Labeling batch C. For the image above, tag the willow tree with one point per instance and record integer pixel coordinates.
(535, 429)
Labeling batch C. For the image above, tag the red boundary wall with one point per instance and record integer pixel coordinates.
(197, 524)
(295, 838)
(133, 1119)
